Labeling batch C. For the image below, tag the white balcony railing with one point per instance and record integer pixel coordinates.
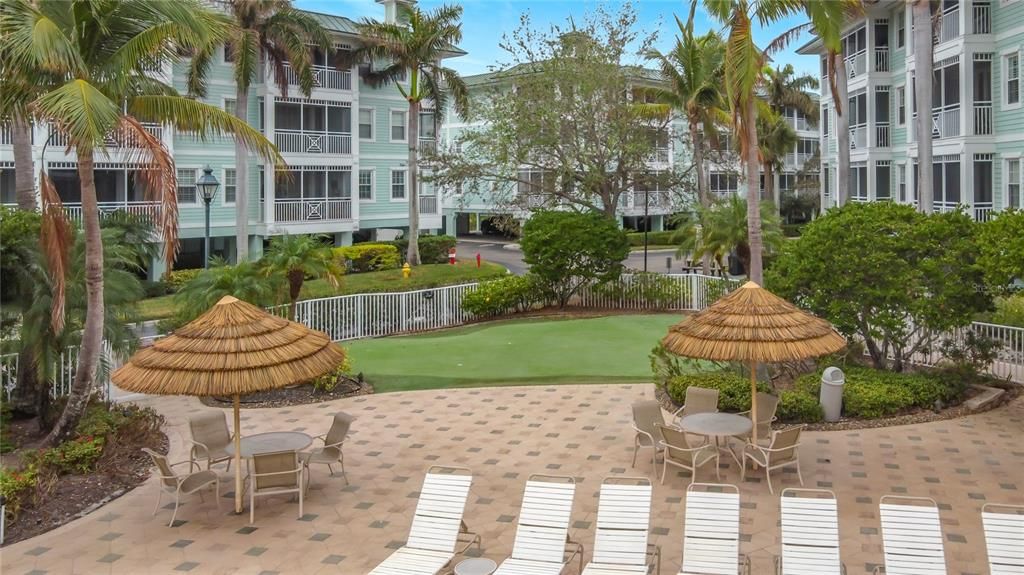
(114, 139)
(857, 64)
(942, 207)
(882, 135)
(145, 210)
(323, 77)
(651, 200)
(858, 137)
(949, 29)
(800, 123)
(5, 135)
(305, 142)
(946, 123)
(427, 145)
(981, 18)
(312, 210)
(982, 118)
(983, 211)
(428, 204)
(882, 59)
(660, 155)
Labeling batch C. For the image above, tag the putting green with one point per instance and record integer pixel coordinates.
(515, 352)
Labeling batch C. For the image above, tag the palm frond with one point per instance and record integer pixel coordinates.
(55, 243)
(81, 111)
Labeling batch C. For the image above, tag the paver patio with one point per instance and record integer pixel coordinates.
(504, 435)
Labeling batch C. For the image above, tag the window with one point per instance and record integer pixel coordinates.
(946, 181)
(901, 182)
(901, 106)
(230, 185)
(229, 53)
(824, 120)
(723, 184)
(229, 105)
(365, 123)
(339, 185)
(883, 171)
(901, 27)
(1013, 79)
(826, 185)
(983, 180)
(186, 186)
(365, 184)
(859, 182)
(398, 185)
(1013, 199)
(397, 126)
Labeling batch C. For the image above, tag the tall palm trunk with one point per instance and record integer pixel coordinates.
(755, 269)
(842, 108)
(24, 172)
(92, 331)
(413, 256)
(703, 196)
(241, 180)
(923, 72)
(769, 185)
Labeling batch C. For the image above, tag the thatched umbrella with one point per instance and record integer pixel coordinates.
(234, 349)
(753, 325)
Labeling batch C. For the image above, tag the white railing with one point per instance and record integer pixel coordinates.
(428, 204)
(323, 77)
(982, 211)
(982, 18)
(858, 137)
(114, 139)
(63, 371)
(949, 29)
(945, 207)
(946, 123)
(882, 59)
(660, 155)
(676, 292)
(982, 118)
(312, 210)
(427, 145)
(5, 135)
(146, 210)
(882, 135)
(652, 200)
(800, 123)
(1009, 361)
(306, 142)
(857, 64)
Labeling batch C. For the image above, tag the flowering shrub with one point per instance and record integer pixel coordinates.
(329, 381)
(16, 486)
(75, 456)
(510, 294)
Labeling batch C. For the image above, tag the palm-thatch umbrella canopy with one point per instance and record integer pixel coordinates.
(753, 325)
(233, 349)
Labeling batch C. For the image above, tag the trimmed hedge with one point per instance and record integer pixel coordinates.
(653, 238)
(506, 295)
(369, 257)
(872, 394)
(733, 389)
(433, 249)
(178, 278)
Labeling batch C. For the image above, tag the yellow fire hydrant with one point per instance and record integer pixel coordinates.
(406, 271)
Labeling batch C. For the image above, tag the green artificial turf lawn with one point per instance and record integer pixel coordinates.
(515, 352)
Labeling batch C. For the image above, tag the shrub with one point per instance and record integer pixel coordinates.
(75, 456)
(501, 296)
(792, 230)
(733, 389)
(799, 406)
(658, 290)
(16, 486)
(329, 381)
(369, 257)
(433, 249)
(872, 393)
(653, 238)
(157, 288)
(177, 279)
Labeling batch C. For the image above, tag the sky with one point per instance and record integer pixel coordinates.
(486, 21)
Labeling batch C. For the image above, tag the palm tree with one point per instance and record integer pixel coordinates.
(415, 44)
(296, 258)
(693, 71)
(782, 90)
(775, 139)
(722, 229)
(281, 34)
(244, 281)
(923, 69)
(102, 48)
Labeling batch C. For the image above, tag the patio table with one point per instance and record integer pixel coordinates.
(270, 442)
(719, 426)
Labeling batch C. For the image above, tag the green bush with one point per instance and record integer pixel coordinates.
(653, 238)
(75, 456)
(872, 393)
(16, 486)
(733, 389)
(369, 257)
(658, 290)
(178, 278)
(501, 296)
(799, 406)
(792, 230)
(329, 381)
(433, 249)
(157, 288)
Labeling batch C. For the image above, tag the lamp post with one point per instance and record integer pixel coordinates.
(207, 186)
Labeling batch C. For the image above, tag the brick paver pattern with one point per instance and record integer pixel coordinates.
(504, 435)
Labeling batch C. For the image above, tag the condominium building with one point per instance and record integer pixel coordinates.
(977, 123)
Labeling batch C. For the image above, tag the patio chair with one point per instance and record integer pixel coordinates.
(711, 535)
(436, 526)
(911, 536)
(681, 453)
(782, 451)
(543, 530)
(275, 473)
(177, 484)
(767, 405)
(647, 418)
(330, 453)
(698, 400)
(623, 523)
(810, 533)
(210, 438)
(1004, 538)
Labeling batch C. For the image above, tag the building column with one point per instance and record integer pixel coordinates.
(343, 239)
(269, 173)
(255, 248)
(157, 268)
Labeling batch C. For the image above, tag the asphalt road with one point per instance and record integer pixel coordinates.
(493, 250)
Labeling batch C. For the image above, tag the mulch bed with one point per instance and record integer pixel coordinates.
(297, 395)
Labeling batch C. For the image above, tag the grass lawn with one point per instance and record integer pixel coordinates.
(425, 276)
(515, 352)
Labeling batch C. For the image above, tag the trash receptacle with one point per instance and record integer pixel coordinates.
(831, 397)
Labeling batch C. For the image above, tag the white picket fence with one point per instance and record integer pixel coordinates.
(1009, 360)
(671, 292)
(64, 369)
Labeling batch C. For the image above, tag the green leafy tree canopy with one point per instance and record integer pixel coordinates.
(1001, 243)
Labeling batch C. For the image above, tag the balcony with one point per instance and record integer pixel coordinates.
(981, 18)
(856, 64)
(882, 135)
(882, 59)
(428, 205)
(5, 135)
(983, 211)
(799, 123)
(307, 142)
(949, 29)
(114, 139)
(946, 123)
(651, 201)
(660, 156)
(323, 77)
(427, 145)
(312, 210)
(858, 137)
(982, 118)
(144, 210)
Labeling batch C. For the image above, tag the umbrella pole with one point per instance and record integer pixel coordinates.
(238, 458)
(753, 399)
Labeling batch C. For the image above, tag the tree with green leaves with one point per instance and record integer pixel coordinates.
(101, 49)
(721, 229)
(1001, 243)
(887, 275)
(775, 138)
(297, 257)
(272, 33)
(413, 47)
(245, 281)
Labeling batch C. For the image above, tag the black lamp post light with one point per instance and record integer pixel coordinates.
(207, 186)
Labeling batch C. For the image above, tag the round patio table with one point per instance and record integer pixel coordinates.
(719, 426)
(475, 566)
(270, 442)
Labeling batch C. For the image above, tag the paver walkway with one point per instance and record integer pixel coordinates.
(504, 435)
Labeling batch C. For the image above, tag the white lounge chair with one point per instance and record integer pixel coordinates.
(543, 530)
(1004, 538)
(911, 536)
(436, 526)
(711, 536)
(810, 533)
(623, 522)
